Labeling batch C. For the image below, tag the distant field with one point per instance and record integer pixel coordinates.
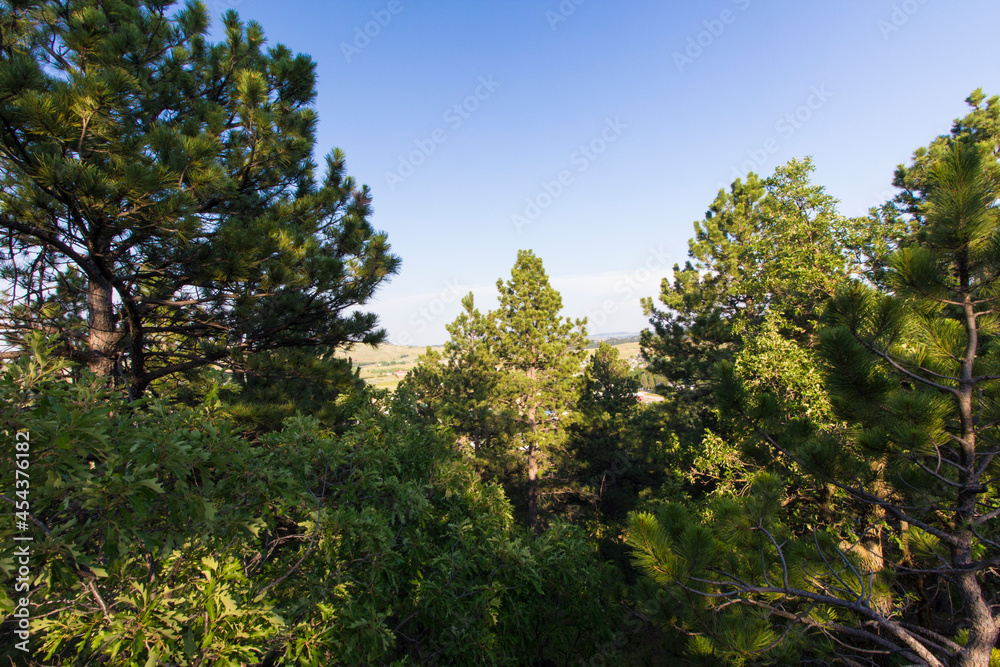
(379, 365)
(366, 354)
(625, 350)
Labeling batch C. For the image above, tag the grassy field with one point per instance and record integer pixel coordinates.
(379, 366)
(625, 350)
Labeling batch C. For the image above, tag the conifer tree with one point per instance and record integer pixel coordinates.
(160, 206)
(458, 388)
(891, 225)
(607, 386)
(539, 353)
(506, 380)
(600, 437)
(979, 127)
(914, 378)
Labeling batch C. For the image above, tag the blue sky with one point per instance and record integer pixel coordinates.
(596, 132)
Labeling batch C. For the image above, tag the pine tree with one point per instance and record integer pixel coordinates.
(914, 378)
(458, 389)
(539, 353)
(600, 439)
(772, 248)
(979, 127)
(505, 383)
(608, 386)
(160, 203)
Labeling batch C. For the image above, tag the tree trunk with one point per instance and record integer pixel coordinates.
(532, 415)
(138, 378)
(872, 556)
(983, 629)
(532, 487)
(102, 337)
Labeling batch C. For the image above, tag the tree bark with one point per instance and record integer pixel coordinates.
(532, 487)
(102, 337)
(532, 453)
(983, 629)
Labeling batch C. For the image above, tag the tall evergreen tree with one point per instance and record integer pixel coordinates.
(899, 220)
(505, 383)
(607, 385)
(979, 127)
(763, 261)
(767, 248)
(775, 244)
(539, 352)
(160, 204)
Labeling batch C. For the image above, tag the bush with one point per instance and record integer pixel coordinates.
(164, 537)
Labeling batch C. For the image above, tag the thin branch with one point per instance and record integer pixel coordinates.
(908, 373)
(859, 493)
(861, 609)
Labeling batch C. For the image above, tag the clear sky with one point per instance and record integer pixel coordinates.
(596, 132)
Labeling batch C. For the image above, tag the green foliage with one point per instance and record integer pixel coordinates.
(712, 553)
(887, 427)
(775, 244)
(160, 203)
(979, 128)
(607, 387)
(459, 388)
(276, 385)
(819, 483)
(764, 259)
(505, 384)
(617, 449)
(169, 537)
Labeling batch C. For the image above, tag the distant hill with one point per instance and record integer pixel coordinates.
(617, 338)
(615, 334)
